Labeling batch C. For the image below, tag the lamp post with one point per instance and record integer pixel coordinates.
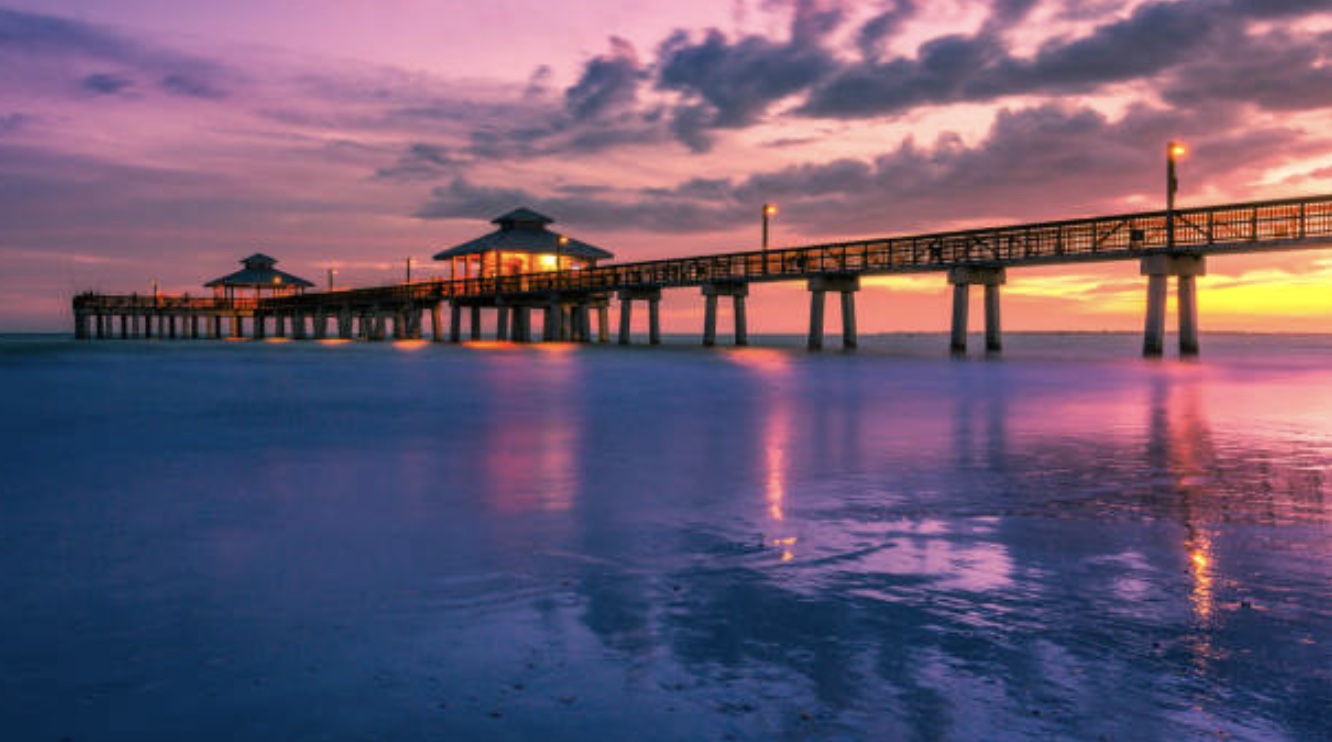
(1174, 150)
(331, 272)
(769, 211)
(409, 269)
(561, 242)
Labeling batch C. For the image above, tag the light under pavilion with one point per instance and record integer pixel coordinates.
(521, 245)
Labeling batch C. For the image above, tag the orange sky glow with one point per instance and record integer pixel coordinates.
(142, 140)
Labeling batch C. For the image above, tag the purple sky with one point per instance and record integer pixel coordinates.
(163, 140)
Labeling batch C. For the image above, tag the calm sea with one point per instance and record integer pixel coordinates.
(218, 541)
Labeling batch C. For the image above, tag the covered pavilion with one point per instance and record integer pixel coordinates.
(521, 245)
(260, 277)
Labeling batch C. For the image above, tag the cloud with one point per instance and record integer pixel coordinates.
(591, 209)
(13, 122)
(1037, 163)
(1157, 39)
(727, 84)
(191, 87)
(105, 83)
(884, 26)
(1278, 71)
(32, 33)
(609, 84)
(421, 161)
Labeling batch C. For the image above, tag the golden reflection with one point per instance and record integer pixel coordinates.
(277, 340)
(774, 366)
(786, 545)
(334, 341)
(410, 345)
(1200, 567)
(556, 348)
(488, 344)
(761, 360)
(1182, 431)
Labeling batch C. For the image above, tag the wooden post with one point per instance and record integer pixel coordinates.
(626, 315)
(816, 301)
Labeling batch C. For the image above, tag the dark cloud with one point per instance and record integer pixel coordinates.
(609, 84)
(48, 50)
(1154, 41)
(1155, 37)
(884, 27)
(191, 87)
(941, 73)
(1048, 161)
(105, 83)
(592, 208)
(538, 84)
(729, 84)
(44, 34)
(1276, 71)
(421, 161)
(12, 122)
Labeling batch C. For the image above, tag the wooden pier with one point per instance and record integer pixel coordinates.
(1166, 244)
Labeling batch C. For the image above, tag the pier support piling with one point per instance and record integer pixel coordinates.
(845, 284)
(1158, 269)
(737, 291)
(654, 320)
(709, 318)
(962, 279)
(994, 339)
(653, 297)
(455, 322)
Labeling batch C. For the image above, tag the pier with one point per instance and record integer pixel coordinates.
(1165, 244)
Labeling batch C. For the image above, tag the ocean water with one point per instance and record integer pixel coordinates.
(304, 541)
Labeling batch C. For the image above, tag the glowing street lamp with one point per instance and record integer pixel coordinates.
(331, 272)
(1174, 150)
(769, 211)
(561, 242)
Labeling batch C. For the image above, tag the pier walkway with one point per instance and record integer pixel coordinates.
(1166, 244)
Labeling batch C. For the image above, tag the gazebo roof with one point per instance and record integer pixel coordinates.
(524, 230)
(259, 273)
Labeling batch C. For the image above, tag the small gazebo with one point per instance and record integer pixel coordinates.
(522, 244)
(261, 277)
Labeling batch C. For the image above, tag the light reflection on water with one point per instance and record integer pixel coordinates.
(573, 543)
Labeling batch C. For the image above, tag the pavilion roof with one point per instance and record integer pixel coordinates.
(524, 230)
(259, 273)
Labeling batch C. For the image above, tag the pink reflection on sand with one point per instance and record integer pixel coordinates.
(533, 439)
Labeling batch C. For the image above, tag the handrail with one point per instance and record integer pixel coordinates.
(1242, 227)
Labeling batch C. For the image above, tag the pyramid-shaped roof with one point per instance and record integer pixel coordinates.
(524, 230)
(259, 273)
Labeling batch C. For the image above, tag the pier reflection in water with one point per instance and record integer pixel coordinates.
(508, 542)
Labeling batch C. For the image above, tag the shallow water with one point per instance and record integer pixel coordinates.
(379, 541)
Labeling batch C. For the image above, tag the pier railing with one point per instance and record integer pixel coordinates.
(182, 304)
(1247, 227)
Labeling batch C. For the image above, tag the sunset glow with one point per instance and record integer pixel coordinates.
(143, 141)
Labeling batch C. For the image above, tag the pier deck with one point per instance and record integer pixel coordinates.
(1167, 243)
